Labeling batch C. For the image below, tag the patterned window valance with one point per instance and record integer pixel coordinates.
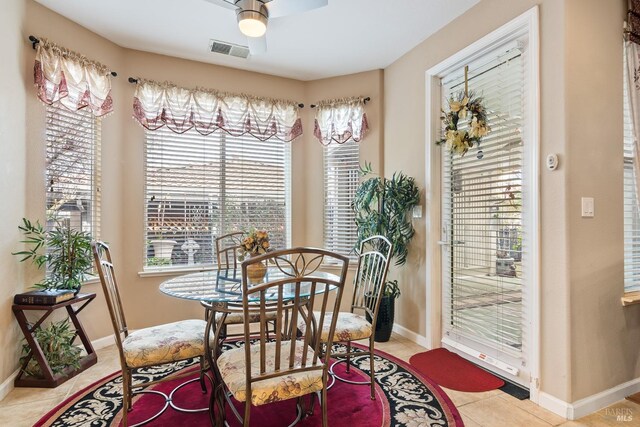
(70, 79)
(164, 104)
(340, 120)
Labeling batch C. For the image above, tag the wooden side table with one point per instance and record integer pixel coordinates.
(49, 379)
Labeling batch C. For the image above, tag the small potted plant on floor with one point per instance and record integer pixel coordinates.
(381, 206)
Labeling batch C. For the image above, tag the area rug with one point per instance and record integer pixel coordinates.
(449, 370)
(404, 397)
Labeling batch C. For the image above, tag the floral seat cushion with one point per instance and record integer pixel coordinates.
(238, 318)
(349, 327)
(164, 343)
(231, 365)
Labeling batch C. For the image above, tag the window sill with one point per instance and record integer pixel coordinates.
(173, 271)
(630, 298)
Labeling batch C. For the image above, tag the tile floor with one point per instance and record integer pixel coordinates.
(24, 406)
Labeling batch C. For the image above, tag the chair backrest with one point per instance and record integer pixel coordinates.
(374, 255)
(227, 250)
(104, 265)
(286, 297)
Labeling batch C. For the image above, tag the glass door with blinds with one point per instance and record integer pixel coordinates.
(484, 237)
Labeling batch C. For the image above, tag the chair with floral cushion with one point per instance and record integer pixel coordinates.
(148, 347)
(286, 366)
(373, 263)
(227, 247)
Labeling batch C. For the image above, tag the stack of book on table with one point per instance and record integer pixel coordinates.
(43, 297)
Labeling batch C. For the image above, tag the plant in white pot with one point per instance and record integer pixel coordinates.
(158, 227)
(381, 207)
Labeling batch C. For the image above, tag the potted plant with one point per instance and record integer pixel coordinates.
(381, 205)
(56, 341)
(64, 251)
(162, 248)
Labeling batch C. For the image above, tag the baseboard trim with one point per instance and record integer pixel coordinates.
(553, 404)
(103, 342)
(7, 385)
(417, 338)
(591, 404)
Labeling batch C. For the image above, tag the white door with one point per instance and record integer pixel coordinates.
(484, 234)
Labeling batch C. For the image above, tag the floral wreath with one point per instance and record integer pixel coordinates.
(460, 107)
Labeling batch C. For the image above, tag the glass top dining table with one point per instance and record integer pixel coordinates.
(225, 285)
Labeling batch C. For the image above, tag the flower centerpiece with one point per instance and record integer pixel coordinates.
(256, 243)
(460, 107)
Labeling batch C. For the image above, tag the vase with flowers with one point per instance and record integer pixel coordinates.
(254, 244)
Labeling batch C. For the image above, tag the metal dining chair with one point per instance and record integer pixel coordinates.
(255, 374)
(148, 347)
(359, 323)
(227, 247)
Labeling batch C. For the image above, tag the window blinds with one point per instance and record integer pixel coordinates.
(631, 211)
(199, 187)
(485, 253)
(72, 168)
(341, 178)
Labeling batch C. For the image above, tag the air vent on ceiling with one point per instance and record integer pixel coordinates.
(225, 48)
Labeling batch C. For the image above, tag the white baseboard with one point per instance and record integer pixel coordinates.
(591, 404)
(103, 342)
(418, 339)
(553, 404)
(7, 385)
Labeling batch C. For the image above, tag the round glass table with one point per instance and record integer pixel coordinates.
(224, 286)
(220, 291)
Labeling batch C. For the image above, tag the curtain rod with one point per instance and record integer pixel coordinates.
(34, 41)
(367, 99)
(134, 80)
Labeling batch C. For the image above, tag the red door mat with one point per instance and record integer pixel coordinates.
(449, 370)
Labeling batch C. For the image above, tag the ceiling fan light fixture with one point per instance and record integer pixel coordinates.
(252, 18)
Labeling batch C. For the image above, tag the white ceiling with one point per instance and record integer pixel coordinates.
(345, 37)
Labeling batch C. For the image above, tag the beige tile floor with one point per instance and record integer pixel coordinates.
(24, 406)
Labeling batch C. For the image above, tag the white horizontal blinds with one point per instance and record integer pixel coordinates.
(254, 191)
(482, 211)
(72, 168)
(631, 211)
(199, 187)
(341, 178)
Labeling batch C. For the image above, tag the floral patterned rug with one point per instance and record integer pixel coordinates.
(404, 397)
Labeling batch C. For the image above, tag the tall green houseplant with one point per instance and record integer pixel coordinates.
(381, 207)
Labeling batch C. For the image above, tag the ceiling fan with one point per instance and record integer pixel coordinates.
(253, 16)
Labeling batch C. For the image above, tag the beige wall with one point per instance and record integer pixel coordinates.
(604, 335)
(122, 160)
(588, 341)
(13, 86)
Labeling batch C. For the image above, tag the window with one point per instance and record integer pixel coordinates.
(199, 187)
(631, 211)
(341, 178)
(72, 168)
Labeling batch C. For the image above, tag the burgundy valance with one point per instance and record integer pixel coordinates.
(207, 110)
(340, 120)
(67, 78)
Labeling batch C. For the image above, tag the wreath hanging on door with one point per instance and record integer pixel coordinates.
(465, 105)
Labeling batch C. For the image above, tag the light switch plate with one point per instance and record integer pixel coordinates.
(588, 207)
(417, 211)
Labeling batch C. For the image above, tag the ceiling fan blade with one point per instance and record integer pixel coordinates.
(230, 4)
(257, 45)
(290, 7)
